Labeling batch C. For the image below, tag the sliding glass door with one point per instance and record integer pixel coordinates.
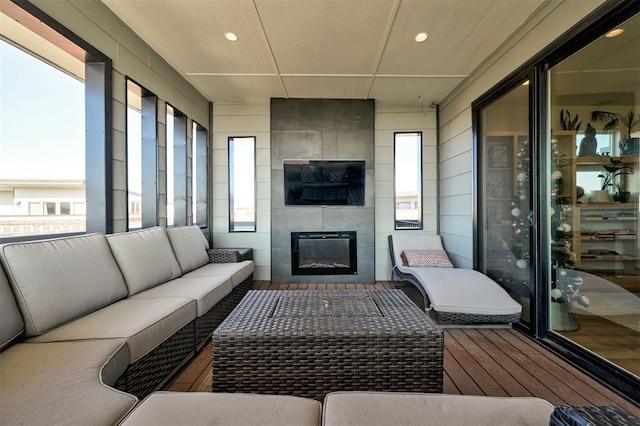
(504, 192)
(593, 156)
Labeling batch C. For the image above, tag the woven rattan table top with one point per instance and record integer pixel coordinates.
(315, 312)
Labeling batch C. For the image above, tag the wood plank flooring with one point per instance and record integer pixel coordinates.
(493, 362)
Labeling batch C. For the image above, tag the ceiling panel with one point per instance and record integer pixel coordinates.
(327, 87)
(398, 90)
(325, 37)
(229, 88)
(462, 33)
(324, 48)
(190, 34)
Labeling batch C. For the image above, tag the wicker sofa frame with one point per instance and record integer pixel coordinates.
(155, 369)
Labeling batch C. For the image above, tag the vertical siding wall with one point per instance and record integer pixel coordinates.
(390, 119)
(254, 120)
(132, 58)
(243, 120)
(456, 138)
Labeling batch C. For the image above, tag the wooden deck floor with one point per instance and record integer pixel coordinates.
(493, 362)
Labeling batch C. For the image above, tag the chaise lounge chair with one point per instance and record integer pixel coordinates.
(452, 296)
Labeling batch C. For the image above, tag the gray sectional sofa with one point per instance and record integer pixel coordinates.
(94, 322)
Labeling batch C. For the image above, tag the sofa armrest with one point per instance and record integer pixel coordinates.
(229, 255)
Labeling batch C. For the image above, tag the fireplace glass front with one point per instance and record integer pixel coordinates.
(323, 253)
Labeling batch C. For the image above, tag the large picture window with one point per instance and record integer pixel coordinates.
(52, 156)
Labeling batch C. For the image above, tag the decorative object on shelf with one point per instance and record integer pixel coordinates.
(613, 171)
(621, 195)
(568, 123)
(499, 156)
(599, 196)
(588, 144)
(628, 145)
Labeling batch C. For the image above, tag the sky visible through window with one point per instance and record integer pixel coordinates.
(42, 123)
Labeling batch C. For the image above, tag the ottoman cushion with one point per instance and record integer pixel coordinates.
(408, 409)
(200, 408)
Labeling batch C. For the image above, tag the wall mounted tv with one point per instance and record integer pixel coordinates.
(324, 182)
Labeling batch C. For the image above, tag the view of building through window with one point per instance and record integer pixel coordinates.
(42, 164)
(134, 154)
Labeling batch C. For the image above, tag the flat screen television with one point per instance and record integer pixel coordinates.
(324, 182)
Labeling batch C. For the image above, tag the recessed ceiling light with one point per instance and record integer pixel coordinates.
(614, 33)
(230, 36)
(420, 37)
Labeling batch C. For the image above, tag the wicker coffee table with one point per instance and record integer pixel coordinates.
(309, 343)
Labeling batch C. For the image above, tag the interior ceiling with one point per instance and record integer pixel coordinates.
(343, 49)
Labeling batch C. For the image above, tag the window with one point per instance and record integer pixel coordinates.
(242, 194)
(142, 157)
(176, 167)
(408, 180)
(48, 155)
(63, 157)
(199, 175)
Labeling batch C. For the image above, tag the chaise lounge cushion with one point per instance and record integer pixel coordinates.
(10, 318)
(190, 247)
(232, 409)
(145, 258)
(464, 291)
(383, 409)
(56, 281)
(60, 383)
(143, 323)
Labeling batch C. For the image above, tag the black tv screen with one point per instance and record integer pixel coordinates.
(324, 182)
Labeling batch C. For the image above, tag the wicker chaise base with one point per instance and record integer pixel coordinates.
(314, 342)
(471, 319)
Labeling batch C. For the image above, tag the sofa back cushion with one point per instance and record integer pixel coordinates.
(190, 247)
(11, 324)
(145, 258)
(56, 281)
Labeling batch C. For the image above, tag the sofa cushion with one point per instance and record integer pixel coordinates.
(403, 241)
(232, 409)
(11, 324)
(145, 258)
(143, 323)
(238, 271)
(190, 247)
(60, 383)
(407, 409)
(56, 281)
(206, 291)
